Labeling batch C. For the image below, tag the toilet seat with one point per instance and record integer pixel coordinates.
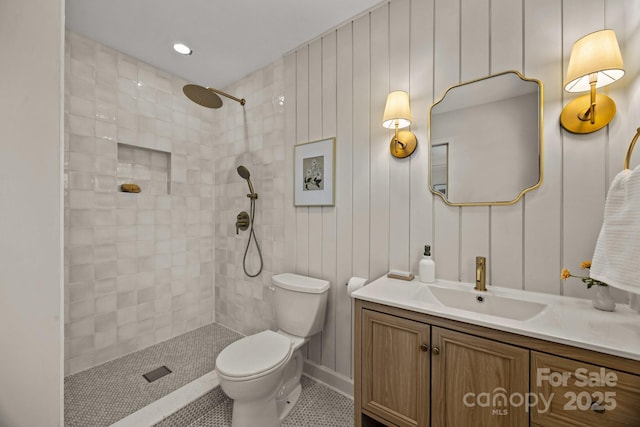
(254, 356)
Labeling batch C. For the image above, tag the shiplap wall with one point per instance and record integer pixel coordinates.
(337, 84)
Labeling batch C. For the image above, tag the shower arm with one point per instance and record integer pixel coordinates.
(219, 92)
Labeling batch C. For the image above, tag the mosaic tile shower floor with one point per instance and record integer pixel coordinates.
(319, 406)
(109, 392)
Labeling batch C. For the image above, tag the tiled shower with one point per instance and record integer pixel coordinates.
(139, 268)
(253, 137)
(142, 268)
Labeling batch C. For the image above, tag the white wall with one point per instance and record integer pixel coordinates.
(337, 85)
(31, 213)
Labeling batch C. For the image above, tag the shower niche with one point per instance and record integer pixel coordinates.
(148, 168)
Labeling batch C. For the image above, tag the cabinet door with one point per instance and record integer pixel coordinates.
(566, 391)
(475, 379)
(395, 369)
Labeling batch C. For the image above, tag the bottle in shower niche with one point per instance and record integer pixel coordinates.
(427, 267)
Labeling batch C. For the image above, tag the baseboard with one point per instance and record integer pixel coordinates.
(333, 379)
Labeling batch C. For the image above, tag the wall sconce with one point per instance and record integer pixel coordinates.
(397, 114)
(595, 62)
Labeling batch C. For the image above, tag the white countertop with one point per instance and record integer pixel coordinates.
(565, 320)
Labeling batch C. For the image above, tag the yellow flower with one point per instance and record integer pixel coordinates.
(565, 274)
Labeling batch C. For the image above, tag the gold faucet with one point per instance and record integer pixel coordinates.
(481, 274)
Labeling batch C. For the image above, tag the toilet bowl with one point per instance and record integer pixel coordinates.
(262, 372)
(251, 373)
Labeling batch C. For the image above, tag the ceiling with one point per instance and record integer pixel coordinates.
(230, 39)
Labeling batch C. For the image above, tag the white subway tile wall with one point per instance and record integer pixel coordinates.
(138, 267)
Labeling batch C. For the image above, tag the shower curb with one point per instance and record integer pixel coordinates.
(165, 408)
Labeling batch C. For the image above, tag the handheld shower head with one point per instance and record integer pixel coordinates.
(244, 221)
(244, 173)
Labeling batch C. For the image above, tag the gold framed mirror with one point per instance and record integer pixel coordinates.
(485, 141)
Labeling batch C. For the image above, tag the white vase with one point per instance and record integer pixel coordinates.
(602, 300)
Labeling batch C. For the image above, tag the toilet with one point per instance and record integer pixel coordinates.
(261, 372)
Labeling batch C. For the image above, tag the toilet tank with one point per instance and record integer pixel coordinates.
(300, 303)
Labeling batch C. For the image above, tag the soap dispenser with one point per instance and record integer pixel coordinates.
(427, 267)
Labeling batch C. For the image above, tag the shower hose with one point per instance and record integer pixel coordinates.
(252, 234)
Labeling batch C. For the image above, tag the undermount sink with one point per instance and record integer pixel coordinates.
(494, 305)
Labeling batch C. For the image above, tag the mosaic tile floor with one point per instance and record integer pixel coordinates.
(319, 406)
(109, 392)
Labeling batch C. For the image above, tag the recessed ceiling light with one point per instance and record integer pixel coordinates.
(182, 48)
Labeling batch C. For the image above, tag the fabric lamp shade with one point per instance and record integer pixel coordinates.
(397, 110)
(596, 53)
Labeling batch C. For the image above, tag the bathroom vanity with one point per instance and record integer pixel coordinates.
(445, 355)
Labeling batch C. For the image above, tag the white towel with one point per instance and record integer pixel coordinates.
(616, 260)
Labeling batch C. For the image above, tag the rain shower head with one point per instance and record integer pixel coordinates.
(208, 96)
(244, 173)
(201, 96)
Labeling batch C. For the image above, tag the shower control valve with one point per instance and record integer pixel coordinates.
(242, 221)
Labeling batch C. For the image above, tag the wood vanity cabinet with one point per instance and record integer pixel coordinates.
(463, 367)
(409, 367)
(583, 394)
(413, 369)
(395, 371)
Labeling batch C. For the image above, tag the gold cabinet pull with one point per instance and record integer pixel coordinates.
(435, 350)
(424, 347)
(597, 408)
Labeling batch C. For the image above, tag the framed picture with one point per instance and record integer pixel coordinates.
(314, 173)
